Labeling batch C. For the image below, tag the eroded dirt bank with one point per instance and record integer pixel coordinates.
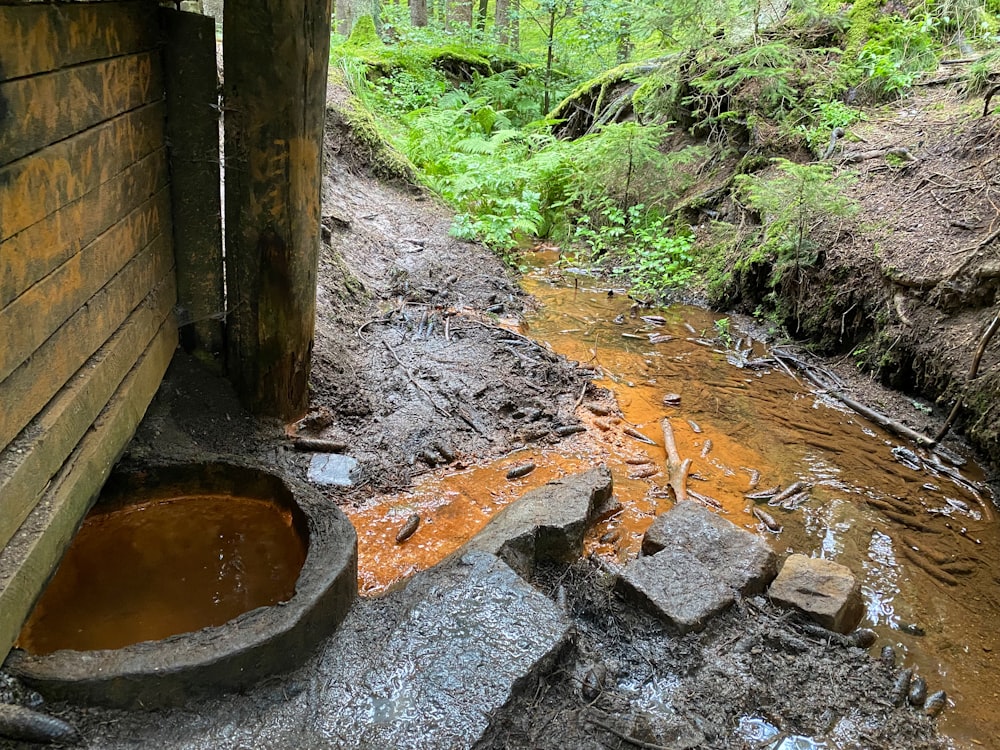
(907, 287)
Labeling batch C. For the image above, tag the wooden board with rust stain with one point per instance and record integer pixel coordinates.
(27, 466)
(31, 255)
(35, 315)
(28, 561)
(29, 388)
(38, 185)
(42, 37)
(44, 109)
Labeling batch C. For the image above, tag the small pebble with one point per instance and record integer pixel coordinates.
(610, 537)
(672, 399)
(918, 691)
(888, 656)
(862, 637)
(408, 529)
(935, 703)
(901, 687)
(521, 471)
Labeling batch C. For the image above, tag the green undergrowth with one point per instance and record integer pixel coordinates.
(664, 123)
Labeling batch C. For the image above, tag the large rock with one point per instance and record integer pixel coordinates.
(824, 590)
(738, 558)
(472, 633)
(547, 523)
(675, 585)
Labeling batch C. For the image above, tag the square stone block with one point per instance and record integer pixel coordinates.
(824, 590)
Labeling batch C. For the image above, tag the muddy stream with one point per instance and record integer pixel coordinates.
(920, 534)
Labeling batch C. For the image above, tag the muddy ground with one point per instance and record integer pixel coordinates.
(414, 369)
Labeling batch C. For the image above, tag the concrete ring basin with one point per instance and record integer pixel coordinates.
(229, 656)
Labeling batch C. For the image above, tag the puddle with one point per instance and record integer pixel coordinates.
(155, 569)
(921, 535)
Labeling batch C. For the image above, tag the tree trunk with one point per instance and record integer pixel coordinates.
(501, 21)
(418, 12)
(481, 15)
(276, 54)
(347, 13)
(515, 24)
(460, 12)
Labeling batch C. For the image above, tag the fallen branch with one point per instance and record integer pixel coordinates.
(899, 151)
(318, 445)
(414, 380)
(973, 371)
(676, 470)
(625, 737)
(897, 428)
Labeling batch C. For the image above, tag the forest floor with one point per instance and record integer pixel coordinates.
(415, 368)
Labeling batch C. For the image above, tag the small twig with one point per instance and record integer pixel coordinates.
(676, 470)
(415, 382)
(579, 399)
(318, 445)
(625, 737)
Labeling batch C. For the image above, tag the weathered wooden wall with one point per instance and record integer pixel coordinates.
(87, 280)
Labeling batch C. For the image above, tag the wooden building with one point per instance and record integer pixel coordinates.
(111, 240)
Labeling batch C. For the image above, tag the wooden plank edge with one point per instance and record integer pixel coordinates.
(35, 252)
(101, 90)
(36, 381)
(29, 463)
(53, 176)
(29, 560)
(28, 321)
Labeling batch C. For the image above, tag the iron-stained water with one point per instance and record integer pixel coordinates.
(155, 569)
(921, 537)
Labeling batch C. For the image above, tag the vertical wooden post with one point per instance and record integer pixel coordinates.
(275, 57)
(193, 134)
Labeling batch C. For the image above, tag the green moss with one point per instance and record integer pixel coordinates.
(862, 17)
(364, 34)
(383, 160)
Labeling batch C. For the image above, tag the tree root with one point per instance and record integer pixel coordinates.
(973, 371)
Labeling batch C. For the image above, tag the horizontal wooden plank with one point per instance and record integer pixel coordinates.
(30, 558)
(42, 110)
(41, 248)
(39, 38)
(34, 316)
(28, 464)
(37, 185)
(31, 386)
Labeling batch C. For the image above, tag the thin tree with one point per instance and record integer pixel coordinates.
(418, 12)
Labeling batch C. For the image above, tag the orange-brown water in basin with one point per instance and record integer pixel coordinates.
(151, 570)
(922, 538)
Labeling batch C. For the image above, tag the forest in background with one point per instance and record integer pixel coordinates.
(672, 144)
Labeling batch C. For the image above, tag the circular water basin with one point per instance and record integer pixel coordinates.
(185, 579)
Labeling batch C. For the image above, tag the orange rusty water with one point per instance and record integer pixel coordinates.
(156, 569)
(924, 544)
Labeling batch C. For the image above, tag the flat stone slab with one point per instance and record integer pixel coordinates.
(333, 470)
(675, 585)
(738, 558)
(474, 631)
(547, 523)
(824, 590)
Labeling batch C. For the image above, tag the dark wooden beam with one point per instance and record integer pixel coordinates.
(275, 59)
(193, 135)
